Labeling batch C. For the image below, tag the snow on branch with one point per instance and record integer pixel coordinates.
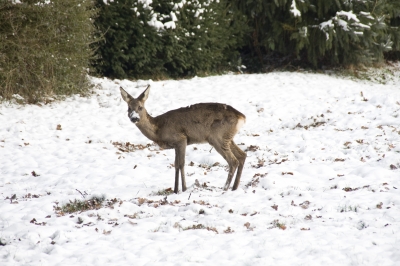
(294, 10)
(347, 21)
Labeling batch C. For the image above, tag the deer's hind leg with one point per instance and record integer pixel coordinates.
(241, 157)
(224, 148)
(180, 151)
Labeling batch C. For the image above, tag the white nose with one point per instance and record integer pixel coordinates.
(134, 117)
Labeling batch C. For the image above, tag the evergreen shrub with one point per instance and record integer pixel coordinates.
(156, 39)
(45, 47)
(393, 16)
(319, 32)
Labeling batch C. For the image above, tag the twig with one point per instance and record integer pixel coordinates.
(190, 195)
(373, 9)
(80, 192)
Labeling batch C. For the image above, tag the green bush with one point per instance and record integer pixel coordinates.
(45, 47)
(392, 12)
(167, 38)
(319, 32)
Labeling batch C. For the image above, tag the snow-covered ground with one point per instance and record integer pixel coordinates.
(321, 184)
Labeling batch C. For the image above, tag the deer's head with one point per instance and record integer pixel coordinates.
(135, 106)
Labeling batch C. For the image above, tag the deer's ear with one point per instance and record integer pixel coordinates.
(145, 94)
(125, 96)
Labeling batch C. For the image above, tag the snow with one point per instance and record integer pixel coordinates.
(294, 10)
(366, 14)
(342, 24)
(325, 26)
(145, 2)
(169, 25)
(351, 23)
(320, 184)
(173, 16)
(154, 22)
(348, 14)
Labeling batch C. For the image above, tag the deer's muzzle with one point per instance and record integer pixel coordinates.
(134, 117)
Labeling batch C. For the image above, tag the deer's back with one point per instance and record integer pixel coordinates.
(200, 122)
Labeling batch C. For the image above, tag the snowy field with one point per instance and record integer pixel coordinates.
(321, 184)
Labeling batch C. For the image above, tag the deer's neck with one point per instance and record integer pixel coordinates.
(148, 127)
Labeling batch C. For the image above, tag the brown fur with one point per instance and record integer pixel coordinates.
(212, 123)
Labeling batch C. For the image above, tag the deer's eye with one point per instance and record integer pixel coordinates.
(140, 108)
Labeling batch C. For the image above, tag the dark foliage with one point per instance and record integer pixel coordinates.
(167, 39)
(44, 48)
(319, 32)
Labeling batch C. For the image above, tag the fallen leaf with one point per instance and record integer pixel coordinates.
(308, 217)
(305, 204)
(34, 173)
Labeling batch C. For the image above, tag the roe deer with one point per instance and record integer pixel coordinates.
(214, 123)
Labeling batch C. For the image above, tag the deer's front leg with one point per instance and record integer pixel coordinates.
(180, 151)
(176, 178)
